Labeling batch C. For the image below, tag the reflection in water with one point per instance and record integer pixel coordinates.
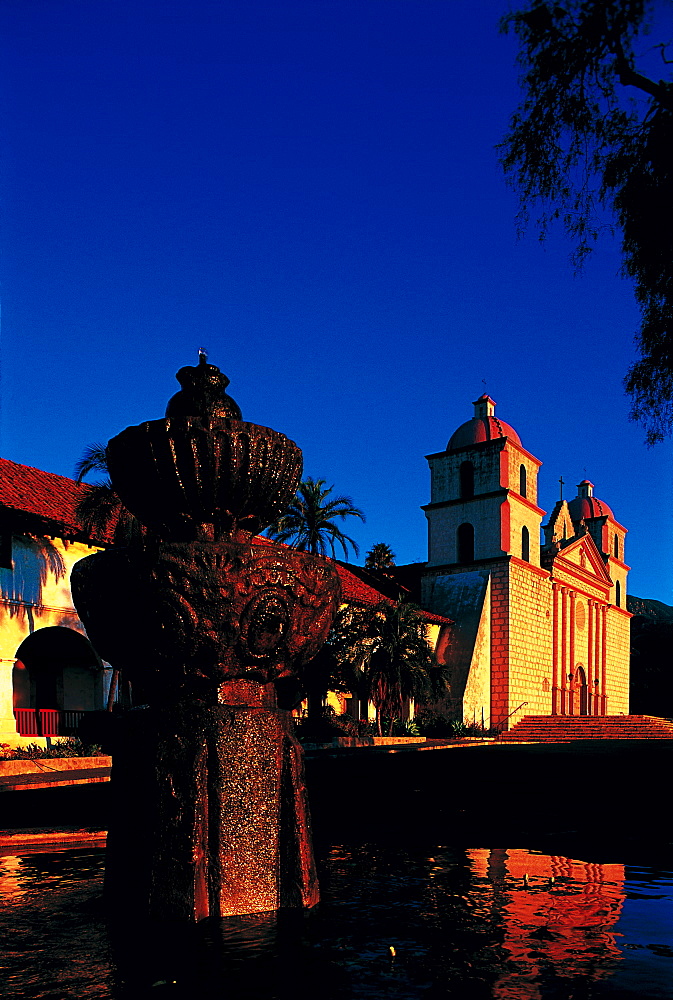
(558, 918)
(480, 923)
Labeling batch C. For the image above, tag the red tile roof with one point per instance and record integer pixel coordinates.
(41, 494)
(356, 591)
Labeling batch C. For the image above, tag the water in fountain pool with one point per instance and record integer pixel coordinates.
(393, 923)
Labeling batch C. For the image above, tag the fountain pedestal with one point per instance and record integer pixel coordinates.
(212, 819)
(210, 813)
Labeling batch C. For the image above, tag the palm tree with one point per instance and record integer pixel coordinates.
(331, 669)
(100, 511)
(393, 657)
(380, 559)
(308, 524)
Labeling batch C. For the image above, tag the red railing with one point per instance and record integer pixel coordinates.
(46, 721)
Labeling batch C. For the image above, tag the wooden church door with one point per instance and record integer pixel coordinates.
(581, 692)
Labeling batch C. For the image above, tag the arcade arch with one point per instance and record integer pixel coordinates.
(56, 678)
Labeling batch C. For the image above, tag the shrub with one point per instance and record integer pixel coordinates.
(401, 727)
(442, 727)
(329, 726)
(63, 748)
(326, 726)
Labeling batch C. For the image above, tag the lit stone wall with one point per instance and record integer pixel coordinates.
(618, 573)
(47, 604)
(477, 696)
(530, 640)
(521, 515)
(500, 643)
(619, 647)
(515, 459)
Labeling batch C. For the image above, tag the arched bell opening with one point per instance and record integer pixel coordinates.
(465, 543)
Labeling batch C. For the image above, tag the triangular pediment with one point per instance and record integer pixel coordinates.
(581, 551)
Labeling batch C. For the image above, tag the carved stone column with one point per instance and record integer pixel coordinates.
(571, 663)
(564, 650)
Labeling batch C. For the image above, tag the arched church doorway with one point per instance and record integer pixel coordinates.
(581, 692)
(58, 676)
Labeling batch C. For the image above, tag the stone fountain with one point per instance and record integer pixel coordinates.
(212, 625)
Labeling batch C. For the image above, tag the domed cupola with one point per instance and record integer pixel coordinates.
(484, 426)
(585, 505)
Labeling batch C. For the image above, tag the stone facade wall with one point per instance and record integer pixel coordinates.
(618, 627)
(477, 695)
(500, 643)
(515, 459)
(521, 515)
(618, 573)
(530, 652)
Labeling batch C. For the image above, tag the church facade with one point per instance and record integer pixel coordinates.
(541, 626)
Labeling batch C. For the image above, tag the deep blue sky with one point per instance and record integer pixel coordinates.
(309, 190)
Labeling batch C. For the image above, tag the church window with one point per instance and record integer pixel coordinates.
(618, 594)
(616, 547)
(525, 543)
(465, 538)
(522, 480)
(466, 480)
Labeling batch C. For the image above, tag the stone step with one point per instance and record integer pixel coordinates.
(545, 728)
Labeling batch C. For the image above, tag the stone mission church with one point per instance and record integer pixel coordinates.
(540, 629)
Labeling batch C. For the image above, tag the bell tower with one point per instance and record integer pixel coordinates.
(484, 571)
(483, 501)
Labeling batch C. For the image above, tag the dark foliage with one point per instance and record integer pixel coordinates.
(327, 725)
(594, 133)
(100, 511)
(63, 748)
(651, 691)
(387, 648)
(439, 726)
(380, 559)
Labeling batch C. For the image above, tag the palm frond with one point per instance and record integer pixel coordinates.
(99, 509)
(308, 523)
(94, 459)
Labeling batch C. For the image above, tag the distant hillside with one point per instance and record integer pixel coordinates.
(651, 645)
(648, 608)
